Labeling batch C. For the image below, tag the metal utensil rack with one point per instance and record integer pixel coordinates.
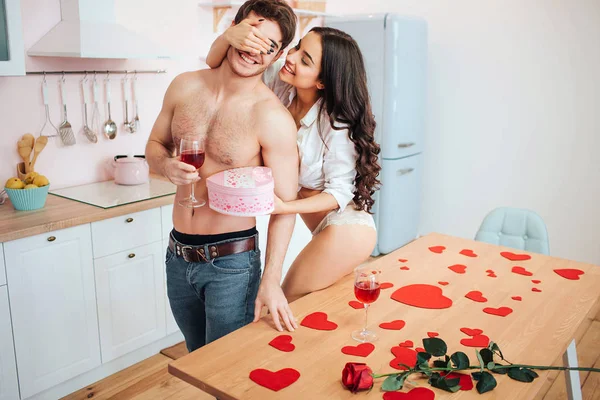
(98, 72)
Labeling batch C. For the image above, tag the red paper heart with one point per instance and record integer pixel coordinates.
(443, 283)
(420, 350)
(275, 380)
(402, 260)
(466, 382)
(403, 355)
(536, 281)
(571, 274)
(386, 285)
(501, 312)
(437, 249)
(492, 275)
(458, 268)
(420, 393)
(406, 343)
(356, 304)
(471, 332)
(405, 268)
(536, 290)
(521, 271)
(468, 253)
(476, 341)
(433, 334)
(517, 298)
(423, 296)
(318, 320)
(362, 350)
(515, 257)
(395, 325)
(476, 295)
(283, 343)
(489, 271)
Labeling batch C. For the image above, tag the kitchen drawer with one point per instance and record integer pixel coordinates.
(2, 269)
(125, 232)
(166, 213)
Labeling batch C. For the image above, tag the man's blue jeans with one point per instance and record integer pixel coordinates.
(211, 299)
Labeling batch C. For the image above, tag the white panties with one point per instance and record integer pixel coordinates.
(350, 216)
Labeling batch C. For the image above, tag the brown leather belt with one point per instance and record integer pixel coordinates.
(198, 253)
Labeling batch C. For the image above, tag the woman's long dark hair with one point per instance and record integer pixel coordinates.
(346, 101)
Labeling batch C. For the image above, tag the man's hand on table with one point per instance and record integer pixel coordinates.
(271, 296)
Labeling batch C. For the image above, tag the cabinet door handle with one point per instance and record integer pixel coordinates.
(51, 238)
(405, 145)
(128, 220)
(131, 255)
(404, 171)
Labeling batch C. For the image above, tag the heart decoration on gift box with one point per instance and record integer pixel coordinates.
(318, 320)
(275, 380)
(283, 343)
(362, 350)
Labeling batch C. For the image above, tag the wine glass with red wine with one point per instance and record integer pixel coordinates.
(191, 150)
(366, 290)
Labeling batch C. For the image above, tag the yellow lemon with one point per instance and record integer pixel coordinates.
(14, 183)
(30, 177)
(30, 186)
(40, 181)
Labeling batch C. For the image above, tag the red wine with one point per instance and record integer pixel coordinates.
(192, 157)
(367, 292)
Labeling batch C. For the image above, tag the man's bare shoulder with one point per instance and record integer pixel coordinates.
(269, 109)
(191, 81)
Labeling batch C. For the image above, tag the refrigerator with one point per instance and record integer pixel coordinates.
(394, 49)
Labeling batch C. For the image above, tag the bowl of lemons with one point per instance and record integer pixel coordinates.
(29, 193)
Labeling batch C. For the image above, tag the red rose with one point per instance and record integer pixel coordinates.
(357, 377)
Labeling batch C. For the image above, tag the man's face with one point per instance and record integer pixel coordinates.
(245, 64)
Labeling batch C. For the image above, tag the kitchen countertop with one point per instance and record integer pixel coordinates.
(60, 213)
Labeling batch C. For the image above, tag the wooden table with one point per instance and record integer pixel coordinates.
(537, 333)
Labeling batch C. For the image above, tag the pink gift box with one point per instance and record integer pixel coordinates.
(244, 192)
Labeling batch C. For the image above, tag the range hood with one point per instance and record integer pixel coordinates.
(89, 29)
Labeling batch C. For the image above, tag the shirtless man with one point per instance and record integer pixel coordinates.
(213, 261)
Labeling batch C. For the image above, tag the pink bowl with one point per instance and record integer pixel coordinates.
(244, 192)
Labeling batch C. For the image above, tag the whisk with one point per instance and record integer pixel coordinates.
(47, 121)
(64, 129)
(96, 118)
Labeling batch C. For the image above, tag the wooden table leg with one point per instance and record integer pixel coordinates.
(572, 377)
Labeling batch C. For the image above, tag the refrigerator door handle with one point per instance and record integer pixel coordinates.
(405, 145)
(404, 171)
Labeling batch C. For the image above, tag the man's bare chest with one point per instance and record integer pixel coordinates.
(228, 129)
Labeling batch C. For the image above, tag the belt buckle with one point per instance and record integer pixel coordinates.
(184, 253)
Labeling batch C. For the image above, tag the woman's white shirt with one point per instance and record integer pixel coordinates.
(328, 159)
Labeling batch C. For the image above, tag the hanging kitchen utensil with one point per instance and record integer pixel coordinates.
(96, 117)
(51, 130)
(110, 128)
(127, 124)
(136, 120)
(64, 129)
(86, 129)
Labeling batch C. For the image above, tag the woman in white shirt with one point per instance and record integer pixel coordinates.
(322, 82)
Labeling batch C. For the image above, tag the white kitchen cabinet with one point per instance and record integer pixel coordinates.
(12, 50)
(9, 387)
(2, 269)
(117, 234)
(131, 299)
(53, 307)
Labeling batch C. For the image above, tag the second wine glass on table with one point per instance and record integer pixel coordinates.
(191, 150)
(366, 290)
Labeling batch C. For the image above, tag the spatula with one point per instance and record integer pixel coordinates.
(40, 143)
